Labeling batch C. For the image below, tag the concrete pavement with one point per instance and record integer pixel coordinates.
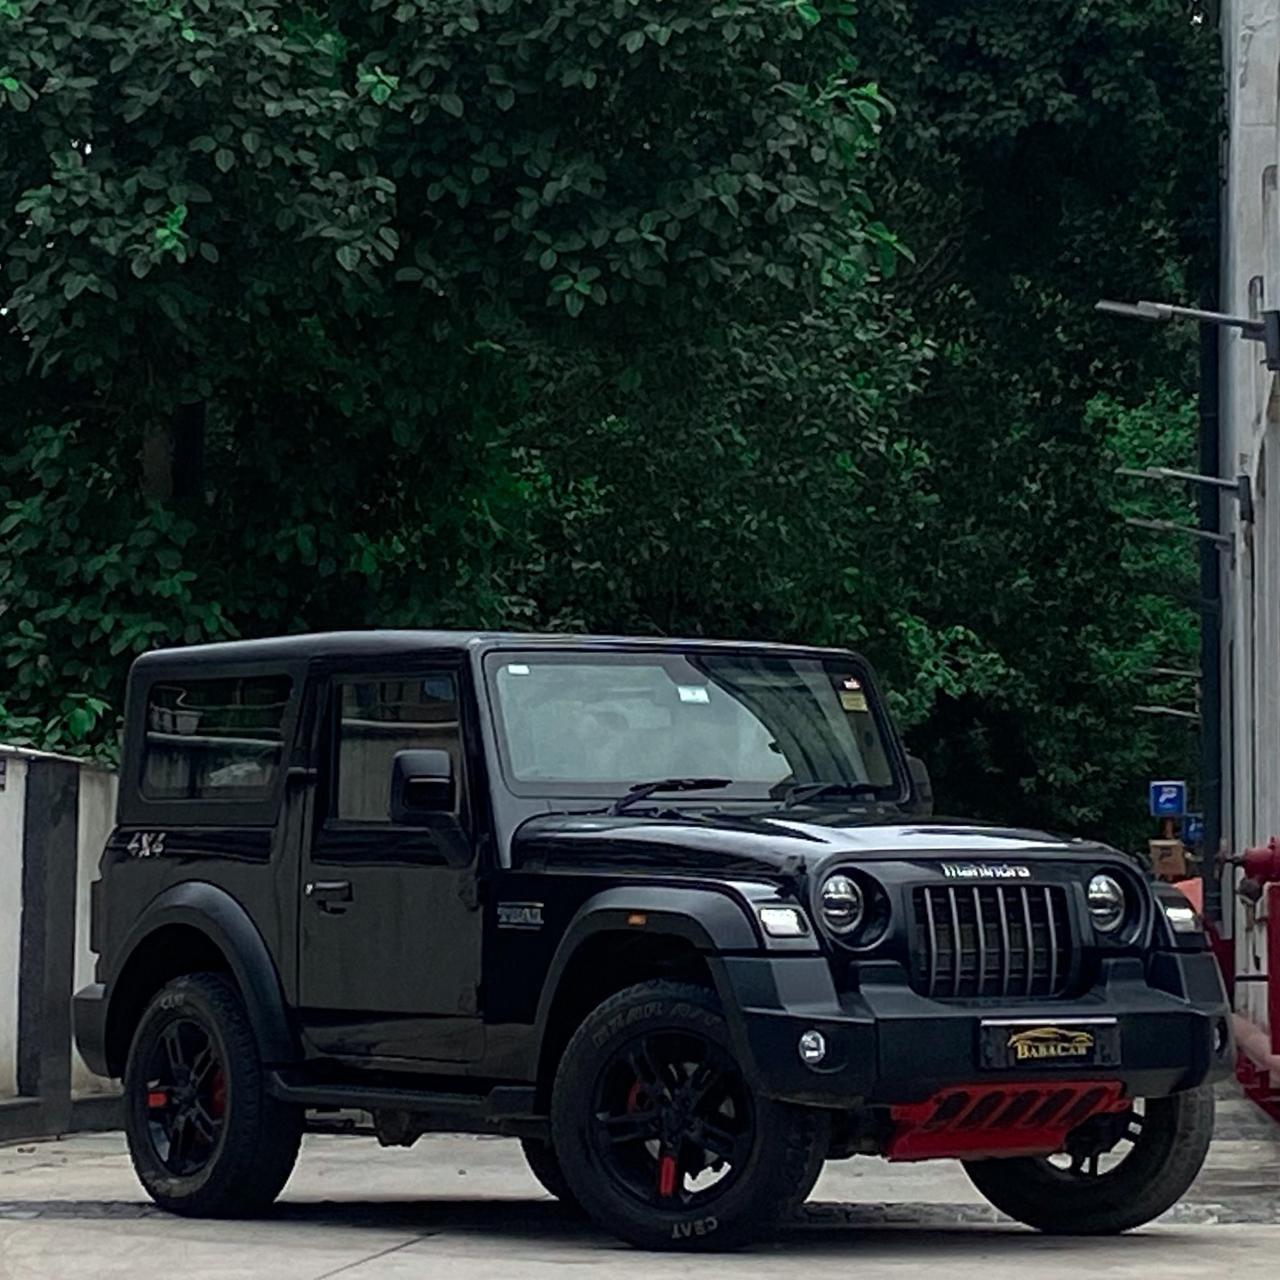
(466, 1209)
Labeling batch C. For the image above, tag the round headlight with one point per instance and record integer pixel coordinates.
(1106, 903)
(841, 904)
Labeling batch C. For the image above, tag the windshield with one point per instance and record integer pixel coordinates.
(593, 724)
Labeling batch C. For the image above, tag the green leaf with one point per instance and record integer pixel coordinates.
(348, 257)
(451, 104)
(633, 41)
(224, 158)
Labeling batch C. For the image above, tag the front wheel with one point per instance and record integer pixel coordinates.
(659, 1134)
(1116, 1174)
(205, 1136)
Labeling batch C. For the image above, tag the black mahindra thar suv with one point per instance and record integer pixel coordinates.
(672, 913)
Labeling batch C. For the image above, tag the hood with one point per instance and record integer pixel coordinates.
(771, 841)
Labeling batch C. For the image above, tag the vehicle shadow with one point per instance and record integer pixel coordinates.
(820, 1228)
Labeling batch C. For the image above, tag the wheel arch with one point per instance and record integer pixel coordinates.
(624, 936)
(195, 927)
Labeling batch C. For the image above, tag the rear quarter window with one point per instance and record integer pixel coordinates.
(215, 739)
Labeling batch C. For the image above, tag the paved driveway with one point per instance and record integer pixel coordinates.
(466, 1209)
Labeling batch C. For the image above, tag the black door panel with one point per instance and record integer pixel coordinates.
(389, 925)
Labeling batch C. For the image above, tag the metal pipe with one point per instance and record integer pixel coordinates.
(1210, 624)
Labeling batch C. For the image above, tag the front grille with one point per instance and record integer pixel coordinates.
(992, 940)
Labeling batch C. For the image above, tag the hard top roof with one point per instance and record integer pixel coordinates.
(392, 643)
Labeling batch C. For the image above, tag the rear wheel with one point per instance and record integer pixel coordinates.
(205, 1137)
(659, 1135)
(1116, 1174)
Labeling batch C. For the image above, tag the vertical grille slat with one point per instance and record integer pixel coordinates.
(1031, 942)
(982, 939)
(957, 964)
(1053, 939)
(992, 940)
(931, 941)
(1006, 952)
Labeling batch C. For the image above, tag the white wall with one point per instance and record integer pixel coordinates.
(11, 815)
(97, 817)
(1251, 445)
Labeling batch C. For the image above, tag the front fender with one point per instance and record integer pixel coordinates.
(714, 921)
(215, 913)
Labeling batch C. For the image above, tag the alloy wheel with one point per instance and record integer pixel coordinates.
(186, 1097)
(672, 1120)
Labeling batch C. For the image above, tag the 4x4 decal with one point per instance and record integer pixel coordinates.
(146, 844)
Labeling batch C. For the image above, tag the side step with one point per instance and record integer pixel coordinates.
(508, 1109)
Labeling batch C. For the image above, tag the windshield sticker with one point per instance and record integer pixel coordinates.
(852, 696)
(517, 668)
(693, 693)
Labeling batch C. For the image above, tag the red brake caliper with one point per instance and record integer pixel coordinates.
(667, 1177)
(218, 1100)
(667, 1171)
(157, 1099)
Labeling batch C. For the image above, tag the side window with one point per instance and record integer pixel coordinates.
(217, 739)
(379, 717)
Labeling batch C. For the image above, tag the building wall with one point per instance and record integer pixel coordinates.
(1250, 424)
(97, 817)
(57, 930)
(12, 800)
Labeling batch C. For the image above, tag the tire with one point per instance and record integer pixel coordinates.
(1163, 1161)
(542, 1162)
(205, 1137)
(647, 1081)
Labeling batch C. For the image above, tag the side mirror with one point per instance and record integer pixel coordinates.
(422, 784)
(921, 788)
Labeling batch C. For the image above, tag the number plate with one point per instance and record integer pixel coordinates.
(1017, 1045)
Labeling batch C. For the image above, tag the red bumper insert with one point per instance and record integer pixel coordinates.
(970, 1121)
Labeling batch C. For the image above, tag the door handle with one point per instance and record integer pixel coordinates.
(330, 895)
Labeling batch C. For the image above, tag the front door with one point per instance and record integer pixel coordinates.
(390, 927)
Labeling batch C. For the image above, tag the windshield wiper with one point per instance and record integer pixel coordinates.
(644, 789)
(803, 791)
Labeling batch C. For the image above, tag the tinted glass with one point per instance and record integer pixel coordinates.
(379, 718)
(215, 739)
(609, 721)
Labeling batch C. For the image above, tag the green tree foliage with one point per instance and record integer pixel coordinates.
(1041, 157)
(588, 314)
(482, 308)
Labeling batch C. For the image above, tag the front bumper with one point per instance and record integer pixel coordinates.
(888, 1045)
(89, 1018)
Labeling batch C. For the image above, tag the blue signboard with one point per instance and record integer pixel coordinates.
(1168, 799)
(1193, 830)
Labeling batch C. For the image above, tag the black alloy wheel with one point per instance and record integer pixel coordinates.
(673, 1120)
(186, 1097)
(1115, 1172)
(659, 1134)
(206, 1136)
